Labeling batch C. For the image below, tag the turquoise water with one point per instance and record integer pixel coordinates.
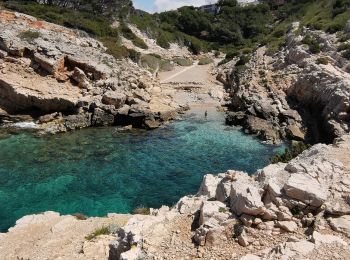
(97, 171)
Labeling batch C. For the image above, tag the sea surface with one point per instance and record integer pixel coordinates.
(100, 170)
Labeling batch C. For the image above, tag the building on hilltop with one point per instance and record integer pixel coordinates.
(211, 8)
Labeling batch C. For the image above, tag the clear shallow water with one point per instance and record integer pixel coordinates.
(97, 171)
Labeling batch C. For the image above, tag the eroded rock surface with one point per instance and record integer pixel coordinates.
(291, 95)
(46, 68)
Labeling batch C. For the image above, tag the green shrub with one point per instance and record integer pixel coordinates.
(346, 54)
(138, 42)
(238, 229)
(166, 65)
(335, 27)
(322, 60)
(150, 62)
(134, 55)
(344, 37)
(314, 46)
(343, 47)
(114, 48)
(29, 35)
(222, 210)
(243, 59)
(205, 61)
(163, 41)
(128, 34)
(289, 154)
(183, 62)
(98, 232)
(141, 210)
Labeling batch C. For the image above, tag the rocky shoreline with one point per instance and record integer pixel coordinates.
(291, 95)
(295, 210)
(62, 80)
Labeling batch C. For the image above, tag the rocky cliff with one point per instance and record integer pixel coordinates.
(62, 79)
(295, 93)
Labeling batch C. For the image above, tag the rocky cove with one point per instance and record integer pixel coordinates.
(64, 80)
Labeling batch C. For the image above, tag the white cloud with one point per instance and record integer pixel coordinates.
(164, 5)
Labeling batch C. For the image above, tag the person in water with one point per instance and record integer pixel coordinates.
(206, 113)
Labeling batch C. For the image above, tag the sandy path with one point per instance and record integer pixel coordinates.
(195, 73)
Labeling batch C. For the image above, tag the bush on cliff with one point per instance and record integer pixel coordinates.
(289, 154)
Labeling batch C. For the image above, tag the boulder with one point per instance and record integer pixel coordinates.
(101, 118)
(289, 226)
(80, 77)
(189, 204)
(151, 124)
(243, 239)
(208, 186)
(245, 196)
(319, 239)
(213, 209)
(341, 224)
(114, 98)
(78, 121)
(304, 188)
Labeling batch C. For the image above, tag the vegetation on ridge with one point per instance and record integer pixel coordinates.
(235, 29)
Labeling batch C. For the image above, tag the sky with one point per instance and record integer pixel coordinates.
(153, 6)
(163, 5)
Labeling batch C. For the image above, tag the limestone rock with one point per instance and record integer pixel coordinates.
(114, 98)
(306, 189)
(245, 196)
(208, 186)
(341, 224)
(289, 226)
(213, 209)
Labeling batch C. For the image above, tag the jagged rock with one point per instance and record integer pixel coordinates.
(294, 133)
(245, 196)
(189, 205)
(306, 189)
(341, 224)
(209, 186)
(78, 121)
(3, 54)
(213, 209)
(101, 118)
(247, 220)
(243, 239)
(65, 54)
(80, 77)
(318, 239)
(151, 124)
(114, 98)
(223, 190)
(289, 226)
(49, 117)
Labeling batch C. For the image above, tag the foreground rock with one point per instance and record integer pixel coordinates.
(45, 69)
(292, 94)
(266, 216)
(51, 236)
